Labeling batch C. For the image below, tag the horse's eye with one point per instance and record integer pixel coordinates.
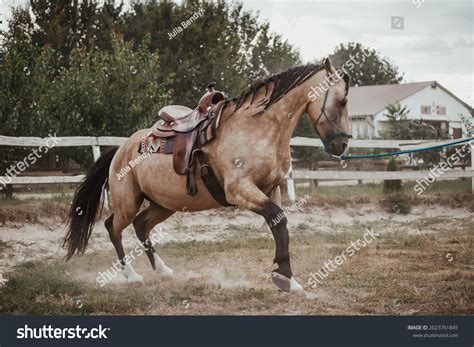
(343, 103)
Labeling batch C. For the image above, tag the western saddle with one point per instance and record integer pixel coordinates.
(182, 131)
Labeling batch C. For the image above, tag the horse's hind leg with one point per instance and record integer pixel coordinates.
(143, 224)
(115, 224)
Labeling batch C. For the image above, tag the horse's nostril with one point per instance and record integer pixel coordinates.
(344, 146)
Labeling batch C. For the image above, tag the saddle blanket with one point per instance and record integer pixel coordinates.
(153, 144)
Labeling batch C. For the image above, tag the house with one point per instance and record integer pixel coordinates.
(427, 101)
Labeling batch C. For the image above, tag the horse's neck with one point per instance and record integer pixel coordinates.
(285, 113)
(288, 112)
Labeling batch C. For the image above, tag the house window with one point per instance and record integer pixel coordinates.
(441, 110)
(457, 133)
(425, 109)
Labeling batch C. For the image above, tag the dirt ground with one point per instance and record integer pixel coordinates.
(420, 263)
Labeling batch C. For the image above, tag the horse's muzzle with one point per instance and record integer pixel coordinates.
(338, 145)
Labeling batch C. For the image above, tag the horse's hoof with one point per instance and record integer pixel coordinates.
(166, 272)
(286, 284)
(135, 279)
(295, 287)
(281, 281)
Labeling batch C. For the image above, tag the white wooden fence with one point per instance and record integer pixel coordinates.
(96, 142)
(373, 175)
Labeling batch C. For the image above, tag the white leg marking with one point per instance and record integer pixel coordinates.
(161, 267)
(286, 284)
(131, 275)
(295, 286)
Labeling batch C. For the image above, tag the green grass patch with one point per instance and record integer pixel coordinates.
(40, 289)
(373, 190)
(13, 201)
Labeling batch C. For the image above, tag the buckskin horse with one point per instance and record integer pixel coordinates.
(240, 147)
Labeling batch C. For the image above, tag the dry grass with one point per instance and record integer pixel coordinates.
(33, 210)
(446, 193)
(397, 274)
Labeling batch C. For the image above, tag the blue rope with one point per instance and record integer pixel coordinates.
(349, 157)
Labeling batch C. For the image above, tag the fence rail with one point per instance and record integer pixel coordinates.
(97, 142)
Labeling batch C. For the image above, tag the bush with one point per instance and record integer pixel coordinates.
(399, 203)
(392, 186)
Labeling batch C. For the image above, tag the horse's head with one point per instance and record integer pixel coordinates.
(327, 109)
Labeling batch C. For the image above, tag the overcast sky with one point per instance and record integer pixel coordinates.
(436, 42)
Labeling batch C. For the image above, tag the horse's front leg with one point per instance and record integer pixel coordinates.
(247, 195)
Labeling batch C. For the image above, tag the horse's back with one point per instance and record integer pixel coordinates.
(153, 175)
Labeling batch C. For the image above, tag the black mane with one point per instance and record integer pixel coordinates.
(284, 82)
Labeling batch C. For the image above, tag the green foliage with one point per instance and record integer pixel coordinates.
(402, 128)
(225, 44)
(101, 92)
(392, 186)
(65, 25)
(369, 67)
(399, 203)
(90, 68)
(106, 93)
(84, 68)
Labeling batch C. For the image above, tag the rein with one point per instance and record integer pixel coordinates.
(350, 157)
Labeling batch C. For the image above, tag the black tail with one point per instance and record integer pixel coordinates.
(85, 205)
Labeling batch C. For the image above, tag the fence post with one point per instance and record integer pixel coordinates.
(9, 191)
(96, 154)
(291, 186)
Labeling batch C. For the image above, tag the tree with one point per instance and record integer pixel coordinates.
(397, 201)
(104, 92)
(19, 88)
(224, 44)
(64, 24)
(402, 128)
(392, 186)
(82, 67)
(370, 69)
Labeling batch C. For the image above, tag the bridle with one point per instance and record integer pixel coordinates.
(339, 132)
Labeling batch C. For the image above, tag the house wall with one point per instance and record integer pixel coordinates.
(429, 97)
(361, 128)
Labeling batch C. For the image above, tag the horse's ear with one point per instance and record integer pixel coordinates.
(328, 66)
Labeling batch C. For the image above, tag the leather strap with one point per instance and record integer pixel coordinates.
(191, 187)
(210, 180)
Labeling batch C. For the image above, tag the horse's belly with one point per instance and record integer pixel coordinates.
(158, 180)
